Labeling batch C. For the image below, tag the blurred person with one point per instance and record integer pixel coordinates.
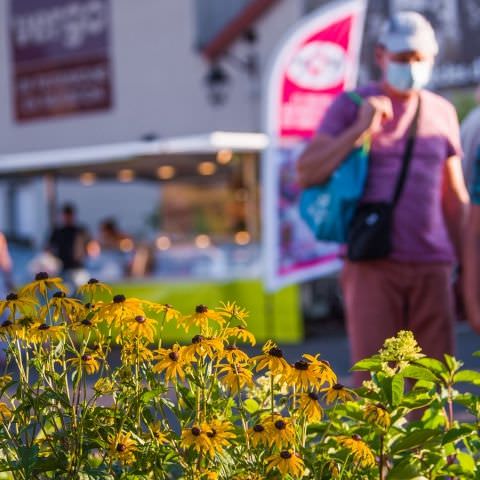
(6, 284)
(410, 288)
(470, 137)
(68, 242)
(110, 235)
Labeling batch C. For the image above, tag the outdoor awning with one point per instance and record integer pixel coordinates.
(143, 156)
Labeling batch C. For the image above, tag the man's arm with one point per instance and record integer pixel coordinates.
(325, 153)
(455, 201)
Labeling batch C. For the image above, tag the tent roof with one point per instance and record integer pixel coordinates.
(146, 155)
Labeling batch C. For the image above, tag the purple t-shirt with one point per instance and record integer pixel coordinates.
(419, 232)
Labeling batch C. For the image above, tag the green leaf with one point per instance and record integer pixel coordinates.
(406, 468)
(28, 458)
(371, 364)
(419, 373)
(467, 376)
(398, 387)
(466, 462)
(455, 434)
(251, 406)
(477, 353)
(414, 439)
(433, 364)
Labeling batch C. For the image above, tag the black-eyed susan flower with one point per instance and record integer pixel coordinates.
(119, 310)
(303, 375)
(378, 415)
(232, 311)
(202, 347)
(359, 449)
(9, 329)
(272, 359)
(235, 377)
(158, 433)
(233, 354)
(17, 303)
(87, 362)
(240, 333)
(258, 435)
(172, 362)
(122, 447)
(196, 438)
(322, 369)
(86, 326)
(287, 462)
(164, 308)
(202, 318)
(61, 304)
(280, 429)
(309, 406)
(42, 284)
(42, 332)
(338, 392)
(5, 412)
(140, 326)
(93, 288)
(220, 433)
(135, 351)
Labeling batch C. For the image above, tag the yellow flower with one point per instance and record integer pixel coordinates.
(378, 415)
(322, 369)
(122, 447)
(360, 450)
(202, 347)
(258, 435)
(309, 406)
(92, 288)
(165, 308)
(140, 326)
(233, 311)
(281, 430)
(60, 304)
(287, 462)
(9, 329)
(304, 375)
(233, 354)
(201, 318)
(131, 351)
(219, 433)
(42, 332)
(197, 438)
(5, 412)
(85, 326)
(209, 475)
(5, 380)
(240, 333)
(120, 309)
(338, 392)
(104, 386)
(88, 362)
(171, 362)
(42, 284)
(17, 303)
(235, 377)
(272, 359)
(158, 434)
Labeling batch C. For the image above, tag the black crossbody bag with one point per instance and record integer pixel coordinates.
(370, 232)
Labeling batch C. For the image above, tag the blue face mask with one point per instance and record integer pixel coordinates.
(408, 76)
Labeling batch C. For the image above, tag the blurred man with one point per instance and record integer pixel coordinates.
(470, 136)
(411, 288)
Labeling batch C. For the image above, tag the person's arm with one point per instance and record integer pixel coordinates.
(455, 202)
(6, 262)
(471, 268)
(325, 153)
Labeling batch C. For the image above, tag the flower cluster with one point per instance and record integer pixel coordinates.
(92, 391)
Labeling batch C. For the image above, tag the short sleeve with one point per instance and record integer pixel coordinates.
(340, 115)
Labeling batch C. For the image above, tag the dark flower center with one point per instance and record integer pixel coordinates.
(140, 319)
(198, 338)
(280, 425)
(196, 431)
(241, 327)
(313, 396)
(41, 276)
(86, 322)
(7, 323)
(44, 326)
(89, 305)
(285, 454)
(212, 433)
(119, 298)
(356, 437)
(338, 386)
(86, 357)
(173, 356)
(258, 428)
(380, 406)
(12, 296)
(201, 309)
(231, 348)
(167, 305)
(59, 295)
(275, 352)
(95, 347)
(92, 281)
(301, 365)
(121, 447)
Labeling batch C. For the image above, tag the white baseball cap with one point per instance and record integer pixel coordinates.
(408, 32)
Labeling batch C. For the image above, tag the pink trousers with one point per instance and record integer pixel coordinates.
(382, 297)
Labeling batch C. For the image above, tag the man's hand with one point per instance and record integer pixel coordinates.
(373, 113)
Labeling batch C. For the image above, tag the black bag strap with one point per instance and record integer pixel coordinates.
(407, 154)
